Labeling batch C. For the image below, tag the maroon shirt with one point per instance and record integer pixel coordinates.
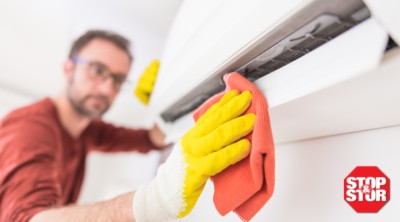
(42, 166)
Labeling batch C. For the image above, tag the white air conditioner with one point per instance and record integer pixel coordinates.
(292, 49)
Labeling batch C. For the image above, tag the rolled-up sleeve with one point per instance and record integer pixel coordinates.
(28, 178)
(106, 137)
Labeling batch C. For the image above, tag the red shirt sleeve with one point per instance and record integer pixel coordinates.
(106, 137)
(28, 179)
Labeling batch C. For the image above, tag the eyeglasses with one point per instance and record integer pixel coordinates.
(100, 72)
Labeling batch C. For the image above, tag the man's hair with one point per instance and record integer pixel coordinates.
(118, 40)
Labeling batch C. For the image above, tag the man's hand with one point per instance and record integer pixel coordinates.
(146, 82)
(157, 137)
(213, 144)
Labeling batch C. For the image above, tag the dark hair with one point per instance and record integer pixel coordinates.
(120, 41)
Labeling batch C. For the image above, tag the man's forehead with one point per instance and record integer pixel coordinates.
(107, 53)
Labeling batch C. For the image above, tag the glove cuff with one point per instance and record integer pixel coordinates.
(162, 198)
(148, 205)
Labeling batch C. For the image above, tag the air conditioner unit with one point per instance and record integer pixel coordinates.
(292, 50)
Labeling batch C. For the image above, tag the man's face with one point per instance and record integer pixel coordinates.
(94, 77)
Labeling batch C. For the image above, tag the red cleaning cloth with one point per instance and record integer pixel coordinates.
(246, 186)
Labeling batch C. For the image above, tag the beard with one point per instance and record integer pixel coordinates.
(95, 111)
(84, 105)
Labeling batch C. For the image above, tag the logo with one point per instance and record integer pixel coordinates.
(366, 189)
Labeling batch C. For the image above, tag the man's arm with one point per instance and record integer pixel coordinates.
(30, 185)
(105, 137)
(117, 209)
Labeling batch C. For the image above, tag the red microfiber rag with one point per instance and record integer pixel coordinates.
(246, 186)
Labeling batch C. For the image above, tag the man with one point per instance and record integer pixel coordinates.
(43, 146)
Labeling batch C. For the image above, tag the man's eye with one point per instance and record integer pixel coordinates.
(97, 70)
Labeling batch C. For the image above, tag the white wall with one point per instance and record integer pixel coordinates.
(310, 176)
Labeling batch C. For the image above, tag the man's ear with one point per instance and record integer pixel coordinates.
(69, 67)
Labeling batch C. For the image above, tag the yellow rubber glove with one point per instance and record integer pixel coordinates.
(146, 82)
(213, 144)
